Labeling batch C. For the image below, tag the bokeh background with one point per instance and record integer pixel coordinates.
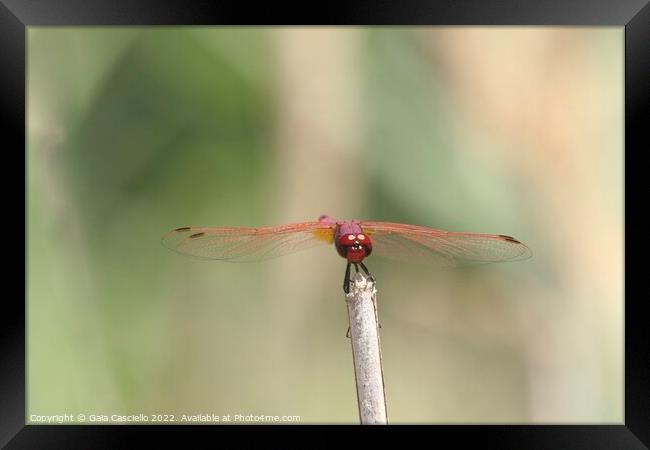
(135, 131)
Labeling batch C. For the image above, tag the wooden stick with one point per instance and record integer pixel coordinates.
(366, 352)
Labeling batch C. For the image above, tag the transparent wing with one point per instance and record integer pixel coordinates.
(442, 248)
(248, 244)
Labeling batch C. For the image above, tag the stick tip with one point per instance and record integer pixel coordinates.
(359, 284)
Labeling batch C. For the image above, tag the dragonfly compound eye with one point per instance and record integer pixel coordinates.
(354, 247)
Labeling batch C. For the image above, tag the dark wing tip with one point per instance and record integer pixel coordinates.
(183, 229)
(509, 239)
(526, 251)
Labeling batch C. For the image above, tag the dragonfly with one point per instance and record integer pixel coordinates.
(354, 240)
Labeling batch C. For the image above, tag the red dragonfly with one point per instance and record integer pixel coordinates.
(354, 240)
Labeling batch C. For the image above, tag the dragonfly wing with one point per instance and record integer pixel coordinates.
(248, 244)
(440, 247)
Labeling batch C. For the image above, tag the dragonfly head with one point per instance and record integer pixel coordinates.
(354, 247)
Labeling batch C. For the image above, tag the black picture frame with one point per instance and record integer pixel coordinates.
(634, 15)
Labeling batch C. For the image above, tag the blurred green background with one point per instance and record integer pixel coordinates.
(135, 131)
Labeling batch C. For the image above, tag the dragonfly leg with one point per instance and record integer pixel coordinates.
(346, 280)
(356, 268)
(347, 334)
(365, 269)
